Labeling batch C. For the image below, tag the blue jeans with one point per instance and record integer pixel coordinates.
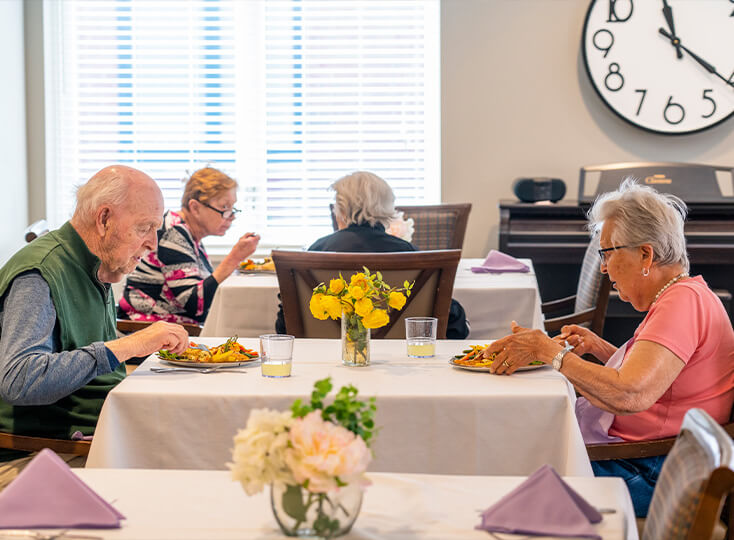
(640, 475)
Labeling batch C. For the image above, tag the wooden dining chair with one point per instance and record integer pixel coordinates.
(436, 226)
(588, 307)
(25, 443)
(696, 477)
(126, 326)
(433, 272)
(35, 229)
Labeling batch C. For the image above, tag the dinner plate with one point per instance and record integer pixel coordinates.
(486, 368)
(204, 365)
(253, 272)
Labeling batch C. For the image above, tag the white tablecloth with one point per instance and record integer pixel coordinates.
(163, 505)
(247, 305)
(434, 418)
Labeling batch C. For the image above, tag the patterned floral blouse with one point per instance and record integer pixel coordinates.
(173, 284)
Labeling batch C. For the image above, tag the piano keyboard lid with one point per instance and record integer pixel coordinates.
(702, 184)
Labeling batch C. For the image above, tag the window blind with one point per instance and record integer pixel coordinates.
(286, 96)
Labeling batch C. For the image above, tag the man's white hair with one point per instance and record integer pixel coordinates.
(363, 197)
(643, 215)
(110, 186)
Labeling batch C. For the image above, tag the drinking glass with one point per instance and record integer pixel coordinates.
(276, 355)
(420, 336)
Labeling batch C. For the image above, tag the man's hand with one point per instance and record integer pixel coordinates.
(159, 335)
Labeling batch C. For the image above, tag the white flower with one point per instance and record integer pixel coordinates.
(401, 227)
(259, 451)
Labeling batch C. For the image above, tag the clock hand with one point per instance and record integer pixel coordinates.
(708, 67)
(668, 13)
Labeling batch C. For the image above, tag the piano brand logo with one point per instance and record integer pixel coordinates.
(658, 179)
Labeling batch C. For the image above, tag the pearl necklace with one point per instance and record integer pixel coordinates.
(668, 284)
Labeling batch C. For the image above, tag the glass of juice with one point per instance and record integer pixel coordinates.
(276, 355)
(420, 336)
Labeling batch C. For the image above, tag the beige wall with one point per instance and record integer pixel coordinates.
(516, 101)
(13, 181)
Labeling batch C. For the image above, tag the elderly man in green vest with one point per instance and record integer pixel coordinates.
(59, 354)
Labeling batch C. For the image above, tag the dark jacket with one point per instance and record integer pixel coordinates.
(364, 238)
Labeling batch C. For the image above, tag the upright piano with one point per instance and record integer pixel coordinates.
(554, 235)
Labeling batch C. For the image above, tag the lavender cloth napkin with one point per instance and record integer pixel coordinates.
(48, 494)
(497, 262)
(593, 421)
(542, 505)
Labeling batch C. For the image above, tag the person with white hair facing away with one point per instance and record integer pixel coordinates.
(176, 282)
(59, 353)
(364, 207)
(681, 355)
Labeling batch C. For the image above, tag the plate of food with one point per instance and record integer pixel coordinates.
(229, 354)
(473, 360)
(266, 266)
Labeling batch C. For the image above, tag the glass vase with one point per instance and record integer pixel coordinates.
(355, 341)
(315, 515)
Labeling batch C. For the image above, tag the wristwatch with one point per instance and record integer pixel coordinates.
(558, 358)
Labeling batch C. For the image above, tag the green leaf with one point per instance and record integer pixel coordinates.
(293, 504)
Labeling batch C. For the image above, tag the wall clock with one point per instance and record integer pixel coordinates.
(666, 66)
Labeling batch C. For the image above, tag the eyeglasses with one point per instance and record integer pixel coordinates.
(226, 214)
(603, 252)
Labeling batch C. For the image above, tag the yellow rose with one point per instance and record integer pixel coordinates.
(332, 305)
(356, 292)
(376, 319)
(361, 281)
(347, 306)
(337, 285)
(396, 300)
(363, 306)
(316, 307)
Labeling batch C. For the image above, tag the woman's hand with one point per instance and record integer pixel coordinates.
(582, 339)
(245, 246)
(521, 348)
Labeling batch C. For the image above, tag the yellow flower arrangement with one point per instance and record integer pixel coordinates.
(363, 303)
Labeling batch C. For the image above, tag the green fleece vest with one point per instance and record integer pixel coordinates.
(85, 313)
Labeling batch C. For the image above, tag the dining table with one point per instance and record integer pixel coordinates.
(432, 417)
(246, 303)
(193, 505)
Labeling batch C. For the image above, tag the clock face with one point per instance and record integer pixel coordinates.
(674, 84)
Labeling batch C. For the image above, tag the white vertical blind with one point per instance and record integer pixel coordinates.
(286, 96)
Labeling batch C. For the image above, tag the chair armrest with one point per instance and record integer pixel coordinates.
(128, 327)
(629, 450)
(36, 444)
(558, 305)
(556, 323)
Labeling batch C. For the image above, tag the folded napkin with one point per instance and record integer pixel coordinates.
(48, 494)
(542, 505)
(497, 262)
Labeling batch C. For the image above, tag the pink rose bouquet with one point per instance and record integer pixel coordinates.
(313, 456)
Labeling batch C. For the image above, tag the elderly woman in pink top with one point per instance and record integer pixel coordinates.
(681, 356)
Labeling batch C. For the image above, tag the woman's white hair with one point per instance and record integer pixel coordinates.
(363, 197)
(643, 215)
(110, 186)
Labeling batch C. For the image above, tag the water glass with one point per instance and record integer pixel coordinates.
(420, 336)
(276, 355)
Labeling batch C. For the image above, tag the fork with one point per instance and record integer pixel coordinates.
(195, 370)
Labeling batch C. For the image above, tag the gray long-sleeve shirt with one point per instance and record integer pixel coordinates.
(33, 370)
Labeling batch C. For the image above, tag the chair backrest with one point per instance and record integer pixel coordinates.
(590, 279)
(696, 476)
(25, 443)
(35, 229)
(125, 326)
(300, 271)
(436, 226)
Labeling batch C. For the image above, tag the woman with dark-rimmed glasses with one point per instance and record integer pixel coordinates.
(681, 355)
(176, 282)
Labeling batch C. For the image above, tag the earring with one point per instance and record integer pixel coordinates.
(645, 272)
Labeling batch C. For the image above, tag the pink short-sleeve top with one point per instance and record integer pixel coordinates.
(690, 321)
